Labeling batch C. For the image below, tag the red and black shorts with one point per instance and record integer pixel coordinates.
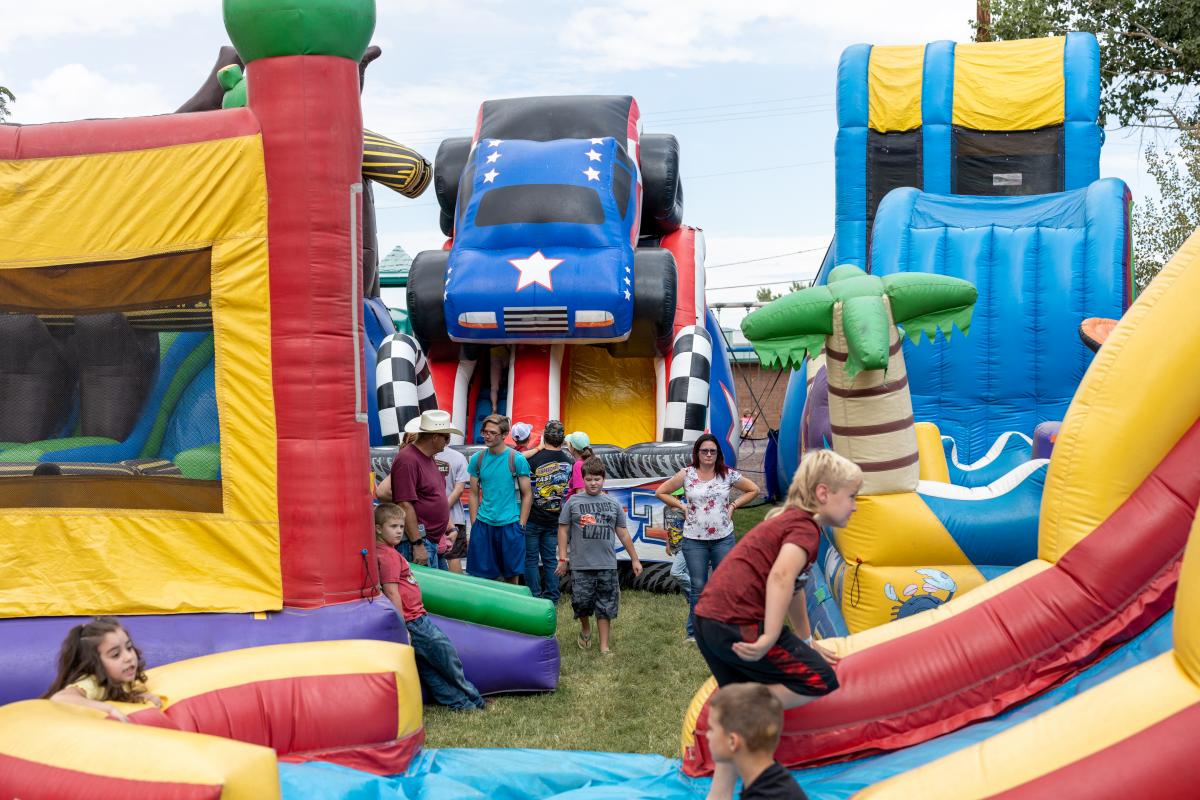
(789, 662)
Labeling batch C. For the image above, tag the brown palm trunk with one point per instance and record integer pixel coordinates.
(871, 414)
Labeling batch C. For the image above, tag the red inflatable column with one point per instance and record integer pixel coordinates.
(312, 136)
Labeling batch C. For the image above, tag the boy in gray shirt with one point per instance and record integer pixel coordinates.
(588, 526)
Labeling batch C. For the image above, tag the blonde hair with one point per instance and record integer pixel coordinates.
(817, 467)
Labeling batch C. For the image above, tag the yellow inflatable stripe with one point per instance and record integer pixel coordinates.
(894, 87)
(1009, 86)
(688, 735)
(1096, 719)
(1139, 396)
(196, 676)
(872, 533)
(123, 206)
(933, 455)
(1187, 607)
(81, 739)
(857, 642)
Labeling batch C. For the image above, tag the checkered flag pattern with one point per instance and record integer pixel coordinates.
(403, 386)
(687, 390)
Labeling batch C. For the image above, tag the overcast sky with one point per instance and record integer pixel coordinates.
(748, 89)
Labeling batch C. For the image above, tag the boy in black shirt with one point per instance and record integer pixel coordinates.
(744, 723)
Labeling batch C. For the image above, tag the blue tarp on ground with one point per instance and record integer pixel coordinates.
(461, 774)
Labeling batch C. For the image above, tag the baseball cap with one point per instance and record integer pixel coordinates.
(521, 431)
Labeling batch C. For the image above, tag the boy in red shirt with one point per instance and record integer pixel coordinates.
(740, 615)
(438, 663)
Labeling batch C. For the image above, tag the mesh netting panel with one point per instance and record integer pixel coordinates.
(107, 386)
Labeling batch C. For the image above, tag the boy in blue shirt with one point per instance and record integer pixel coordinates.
(498, 517)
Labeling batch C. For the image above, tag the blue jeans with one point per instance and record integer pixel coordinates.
(701, 556)
(435, 561)
(541, 543)
(440, 668)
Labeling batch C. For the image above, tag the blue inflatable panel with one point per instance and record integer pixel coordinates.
(1081, 136)
(997, 530)
(1042, 265)
(937, 116)
(378, 325)
(724, 418)
(1008, 452)
(466, 774)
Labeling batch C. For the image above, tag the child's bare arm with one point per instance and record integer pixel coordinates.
(392, 592)
(780, 584)
(74, 697)
(798, 614)
(627, 543)
(561, 569)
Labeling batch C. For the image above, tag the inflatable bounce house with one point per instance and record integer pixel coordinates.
(1116, 519)
(978, 162)
(184, 400)
(569, 289)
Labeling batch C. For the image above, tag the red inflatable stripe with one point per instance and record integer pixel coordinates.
(30, 780)
(298, 715)
(92, 136)
(1106, 589)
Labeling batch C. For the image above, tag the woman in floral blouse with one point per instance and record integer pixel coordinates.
(708, 524)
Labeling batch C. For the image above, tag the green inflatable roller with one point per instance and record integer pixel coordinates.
(497, 605)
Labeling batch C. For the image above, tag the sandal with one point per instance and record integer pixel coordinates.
(585, 641)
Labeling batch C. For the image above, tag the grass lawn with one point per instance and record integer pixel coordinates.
(632, 701)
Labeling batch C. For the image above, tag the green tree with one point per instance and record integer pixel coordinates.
(765, 295)
(5, 98)
(1161, 226)
(1149, 50)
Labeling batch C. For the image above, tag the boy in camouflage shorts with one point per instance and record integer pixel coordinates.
(589, 525)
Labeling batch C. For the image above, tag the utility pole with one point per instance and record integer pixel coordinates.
(983, 21)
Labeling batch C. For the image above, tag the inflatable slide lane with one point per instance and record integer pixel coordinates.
(1114, 524)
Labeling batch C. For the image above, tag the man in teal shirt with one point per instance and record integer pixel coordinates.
(501, 475)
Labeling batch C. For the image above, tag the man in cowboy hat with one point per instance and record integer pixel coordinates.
(417, 485)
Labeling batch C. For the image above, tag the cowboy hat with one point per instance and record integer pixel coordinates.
(432, 422)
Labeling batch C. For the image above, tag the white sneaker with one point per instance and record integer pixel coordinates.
(689, 640)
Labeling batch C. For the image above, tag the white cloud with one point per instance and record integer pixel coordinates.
(632, 34)
(73, 91)
(45, 21)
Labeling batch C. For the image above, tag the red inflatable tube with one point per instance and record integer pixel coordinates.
(308, 107)
(347, 719)
(85, 137)
(1106, 589)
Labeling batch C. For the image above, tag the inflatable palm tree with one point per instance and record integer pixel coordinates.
(854, 319)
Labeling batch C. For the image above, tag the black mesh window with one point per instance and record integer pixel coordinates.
(893, 160)
(1004, 163)
(540, 202)
(107, 385)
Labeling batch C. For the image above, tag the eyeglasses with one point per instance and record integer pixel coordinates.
(707, 451)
